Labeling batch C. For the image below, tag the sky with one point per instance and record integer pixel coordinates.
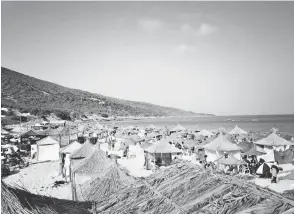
(224, 58)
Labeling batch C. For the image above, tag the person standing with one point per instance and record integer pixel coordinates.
(275, 171)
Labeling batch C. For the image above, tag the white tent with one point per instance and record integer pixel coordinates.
(48, 149)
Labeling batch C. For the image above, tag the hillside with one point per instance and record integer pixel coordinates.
(30, 95)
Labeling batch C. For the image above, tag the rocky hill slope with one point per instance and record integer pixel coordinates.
(34, 95)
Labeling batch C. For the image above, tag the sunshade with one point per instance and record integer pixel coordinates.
(71, 148)
(274, 140)
(178, 128)
(163, 146)
(221, 143)
(237, 131)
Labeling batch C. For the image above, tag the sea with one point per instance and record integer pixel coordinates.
(260, 123)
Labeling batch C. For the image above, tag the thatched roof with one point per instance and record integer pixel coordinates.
(221, 143)
(178, 128)
(71, 148)
(19, 201)
(108, 182)
(163, 146)
(186, 188)
(96, 162)
(237, 131)
(84, 151)
(274, 140)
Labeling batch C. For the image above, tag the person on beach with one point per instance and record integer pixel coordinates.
(275, 169)
(62, 164)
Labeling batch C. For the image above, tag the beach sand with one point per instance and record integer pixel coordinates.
(39, 179)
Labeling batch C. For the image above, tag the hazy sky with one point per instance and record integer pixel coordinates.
(221, 58)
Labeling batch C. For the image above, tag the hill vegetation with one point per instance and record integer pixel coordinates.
(37, 97)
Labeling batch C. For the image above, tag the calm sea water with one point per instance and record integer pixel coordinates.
(262, 123)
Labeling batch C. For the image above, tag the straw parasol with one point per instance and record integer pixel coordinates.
(274, 140)
(237, 131)
(108, 182)
(163, 146)
(178, 128)
(96, 162)
(222, 144)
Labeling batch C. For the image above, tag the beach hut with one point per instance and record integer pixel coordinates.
(237, 131)
(274, 140)
(178, 128)
(163, 150)
(48, 149)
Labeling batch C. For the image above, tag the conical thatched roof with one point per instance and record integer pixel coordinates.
(221, 144)
(274, 140)
(163, 146)
(71, 148)
(84, 151)
(110, 181)
(96, 162)
(237, 131)
(178, 128)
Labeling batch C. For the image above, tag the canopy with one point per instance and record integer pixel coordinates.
(204, 133)
(230, 160)
(274, 140)
(178, 128)
(237, 131)
(163, 146)
(221, 143)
